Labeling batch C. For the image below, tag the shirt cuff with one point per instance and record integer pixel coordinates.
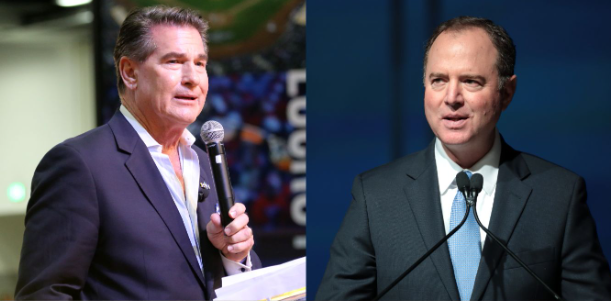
(234, 268)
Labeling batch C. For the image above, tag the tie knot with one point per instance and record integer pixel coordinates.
(469, 174)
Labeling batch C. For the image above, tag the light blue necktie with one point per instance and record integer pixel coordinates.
(464, 245)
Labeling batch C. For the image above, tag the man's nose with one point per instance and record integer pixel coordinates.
(190, 77)
(454, 97)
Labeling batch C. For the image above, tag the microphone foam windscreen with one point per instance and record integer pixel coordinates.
(477, 182)
(462, 180)
(212, 131)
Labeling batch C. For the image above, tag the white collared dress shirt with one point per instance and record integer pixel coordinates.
(488, 167)
(185, 201)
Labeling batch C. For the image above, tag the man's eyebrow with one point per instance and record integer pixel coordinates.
(182, 55)
(437, 75)
(172, 55)
(473, 76)
(463, 76)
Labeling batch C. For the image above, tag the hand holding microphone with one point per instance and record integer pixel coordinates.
(235, 240)
(229, 231)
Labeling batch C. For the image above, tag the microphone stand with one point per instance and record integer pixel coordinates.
(428, 253)
(556, 296)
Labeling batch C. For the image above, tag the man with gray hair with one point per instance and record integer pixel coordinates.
(116, 213)
(400, 211)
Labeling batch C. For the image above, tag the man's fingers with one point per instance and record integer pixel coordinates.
(236, 225)
(236, 210)
(214, 226)
(242, 235)
(235, 240)
(241, 247)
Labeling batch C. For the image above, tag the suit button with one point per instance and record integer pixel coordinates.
(243, 270)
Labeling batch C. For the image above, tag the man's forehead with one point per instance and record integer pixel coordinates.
(468, 51)
(470, 42)
(171, 37)
(166, 32)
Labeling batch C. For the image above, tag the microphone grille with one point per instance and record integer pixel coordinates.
(462, 180)
(477, 182)
(212, 131)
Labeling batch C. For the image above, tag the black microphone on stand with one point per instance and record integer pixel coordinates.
(212, 134)
(462, 181)
(477, 183)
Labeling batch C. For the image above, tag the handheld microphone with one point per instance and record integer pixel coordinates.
(212, 134)
(477, 183)
(462, 181)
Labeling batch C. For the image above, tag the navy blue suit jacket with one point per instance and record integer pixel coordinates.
(539, 212)
(102, 225)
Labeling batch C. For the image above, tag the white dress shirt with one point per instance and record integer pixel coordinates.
(185, 201)
(488, 167)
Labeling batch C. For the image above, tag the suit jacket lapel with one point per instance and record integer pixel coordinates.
(422, 192)
(509, 201)
(143, 169)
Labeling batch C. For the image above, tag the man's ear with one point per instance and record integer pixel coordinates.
(129, 75)
(508, 90)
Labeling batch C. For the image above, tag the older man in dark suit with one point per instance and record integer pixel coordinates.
(400, 210)
(115, 213)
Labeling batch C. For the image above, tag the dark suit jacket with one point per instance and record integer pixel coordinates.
(395, 216)
(102, 225)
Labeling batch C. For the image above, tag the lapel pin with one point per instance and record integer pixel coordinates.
(204, 191)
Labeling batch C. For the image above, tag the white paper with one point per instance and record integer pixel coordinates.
(264, 283)
(230, 280)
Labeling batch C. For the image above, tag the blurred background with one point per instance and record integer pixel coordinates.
(366, 96)
(57, 80)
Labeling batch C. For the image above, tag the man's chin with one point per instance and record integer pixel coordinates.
(454, 139)
(179, 121)
(184, 116)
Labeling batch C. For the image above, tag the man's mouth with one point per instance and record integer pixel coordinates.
(454, 121)
(455, 118)
(186, 98)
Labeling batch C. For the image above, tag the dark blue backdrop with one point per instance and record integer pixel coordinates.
(365, 96)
